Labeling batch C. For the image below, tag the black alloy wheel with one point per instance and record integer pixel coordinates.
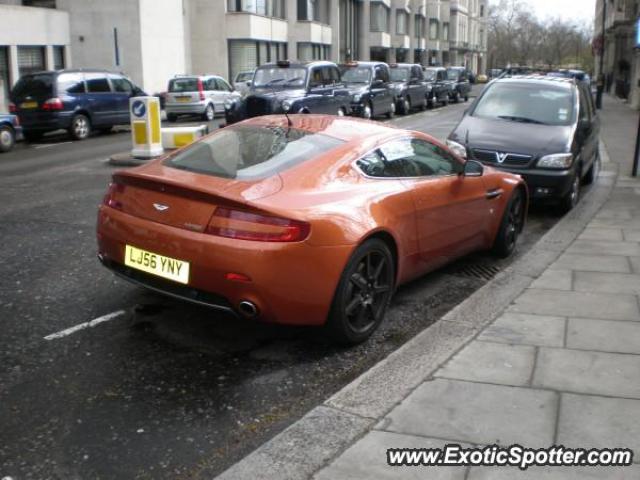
(363, 293)
(511, 226)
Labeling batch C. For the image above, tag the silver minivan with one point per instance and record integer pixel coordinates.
(203, 95)
(242, 82)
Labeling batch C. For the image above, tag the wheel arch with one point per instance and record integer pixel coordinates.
(390, 241)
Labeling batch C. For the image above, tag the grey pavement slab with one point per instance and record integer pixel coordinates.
(604, 247)
(635, 264)
(617, 213)
(603, 335)
(492, 363)
(607, 282)
(616, 222)
(590, 263)
(577, 304)
(601, 233)
(632, 234)
(556, 473)
(599, 422)
(526, 329)
(554, 279)
(612, 374)
(476, 413)
(367, 459)
(302, 448)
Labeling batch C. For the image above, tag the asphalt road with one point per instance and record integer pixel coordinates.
(162, 389)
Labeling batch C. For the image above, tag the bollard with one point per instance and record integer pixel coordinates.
(145, 127)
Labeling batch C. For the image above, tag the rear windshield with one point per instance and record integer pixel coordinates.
(527, 103)
(183, 85)
(38, 86)
(399, 74)
(250, 153)
(244, 77)
(453, 74)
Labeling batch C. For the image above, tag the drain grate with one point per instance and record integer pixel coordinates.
(475, 270)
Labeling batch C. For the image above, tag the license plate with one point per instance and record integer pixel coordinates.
(29, 105)
(183, 99)
(155, 264)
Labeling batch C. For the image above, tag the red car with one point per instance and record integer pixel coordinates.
(311, 220)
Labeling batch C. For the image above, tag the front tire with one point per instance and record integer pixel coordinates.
(209, 113)
(363, 293)
(594, 171)
(367, 112)
(80, 127)
(511, 226)
(571, 199)
(392, 110)
(7, 139)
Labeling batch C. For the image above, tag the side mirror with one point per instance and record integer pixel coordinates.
(473, 168)
(249, 83)
(584, 124)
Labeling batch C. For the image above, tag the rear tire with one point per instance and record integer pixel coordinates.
(363, 293)
(511, 226)
(7, 139)
(445, 102)
(406, 106)
(367, 112)
(80, 128)
(392, 110)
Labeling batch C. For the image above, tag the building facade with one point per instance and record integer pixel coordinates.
(618, 44)
(153, 40)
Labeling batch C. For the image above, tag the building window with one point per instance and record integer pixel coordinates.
(379, 54)
(433, 29)
(401, 22)
(379, 17)
(482, 10)
(247, 55)
(268, 8)
(402, 55)
(58, 57)
(39, 3)
(314, 11)
(30, 60)
(445, 31)
(4, 77)
(313, 51)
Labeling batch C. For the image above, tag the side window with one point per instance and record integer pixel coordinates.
(381, 73)
(315, 79)
(71, 83)
(418, 158)
(209, 85)
(585, 114)
(222, 85)
(97, 83)
(335, 75)
(121, 84)
(417, 73)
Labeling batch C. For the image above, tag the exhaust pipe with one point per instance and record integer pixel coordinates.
(248, 309)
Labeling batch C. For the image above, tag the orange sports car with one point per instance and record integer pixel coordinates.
(305, 220)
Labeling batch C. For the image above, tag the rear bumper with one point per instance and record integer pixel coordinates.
(45, 121)
(185, 108)
(291, 283)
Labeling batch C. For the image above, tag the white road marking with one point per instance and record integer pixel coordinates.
(48, 145)
(82, 326)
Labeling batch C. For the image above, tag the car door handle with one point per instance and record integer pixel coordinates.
(494, 193)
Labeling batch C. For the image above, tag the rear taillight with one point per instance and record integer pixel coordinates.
(53, 104)
(110, 198)
(13, 108)
(243, 225)
(200, 89)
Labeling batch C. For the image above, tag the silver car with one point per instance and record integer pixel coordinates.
(242, 82)
(203, 95)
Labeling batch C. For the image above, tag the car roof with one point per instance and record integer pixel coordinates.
(563, 82)
(72, 70)
(404, 65)
(343, 128)
(361, 64)
(297, 63)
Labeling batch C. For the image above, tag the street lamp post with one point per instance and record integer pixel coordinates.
(601, 77)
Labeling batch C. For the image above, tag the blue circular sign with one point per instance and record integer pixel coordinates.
(138, 108)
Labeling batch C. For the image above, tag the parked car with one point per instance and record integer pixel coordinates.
(494, 73)
(438, 87)
(295, 87)
(242, 82)
(482, 78)
(203, 95)
(578, 75)
(75, 100)
(409, 87)
(370, 88)
(10, 131)
(542, 128)
(460, 85)
(305, 220)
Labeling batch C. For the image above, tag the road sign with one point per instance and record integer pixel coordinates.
(145, 127)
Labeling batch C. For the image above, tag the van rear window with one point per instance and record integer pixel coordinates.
(250, 152)
(183, 85)
(37, 86)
